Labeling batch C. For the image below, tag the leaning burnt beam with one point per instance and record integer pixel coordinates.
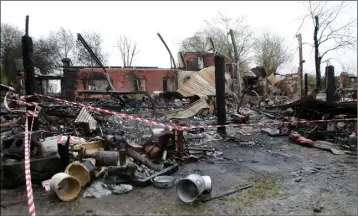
(88, 48)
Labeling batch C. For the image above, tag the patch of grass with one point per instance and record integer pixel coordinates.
(180, 209)
(237, 186)
(262, 189)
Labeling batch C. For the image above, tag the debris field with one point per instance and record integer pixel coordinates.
(200, 149)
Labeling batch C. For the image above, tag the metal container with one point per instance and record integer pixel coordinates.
(48, 146)
(208, 183)
(103, 158)
(163, 181)
(190, 188)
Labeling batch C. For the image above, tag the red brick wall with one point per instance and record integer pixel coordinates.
(153, 76)
(191, 60)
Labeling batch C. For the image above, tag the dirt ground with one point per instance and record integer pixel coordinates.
(289, 180)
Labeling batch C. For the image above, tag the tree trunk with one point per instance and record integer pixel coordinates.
(316, 55)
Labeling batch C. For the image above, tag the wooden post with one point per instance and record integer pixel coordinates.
(301, 61)
(330, 84)
(27, 55)
(180, 142)
(220, 91)
(178, 139)
(306, 85)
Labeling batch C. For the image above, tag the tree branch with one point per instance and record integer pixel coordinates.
(303, 20)
(127, 49)
(334, 48)
(336, 30)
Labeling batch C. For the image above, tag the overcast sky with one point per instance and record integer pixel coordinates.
(174, 20)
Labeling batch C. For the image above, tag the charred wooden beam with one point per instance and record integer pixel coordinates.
(171, 57)
(306, 85)
(27, 55)
(93, 55)
(170, 53)
(135, 155)
(330, 84)
(220, 91)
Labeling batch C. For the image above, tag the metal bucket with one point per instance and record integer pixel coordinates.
(207, 182)
(190, 188)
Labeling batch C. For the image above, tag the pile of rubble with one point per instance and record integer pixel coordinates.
(103, 153)
(99, 152)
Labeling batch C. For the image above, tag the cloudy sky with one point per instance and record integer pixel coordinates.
(174, 20)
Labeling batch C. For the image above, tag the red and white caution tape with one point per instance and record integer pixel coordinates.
(31, 113)
(122, 115)
(267, 123)
(30, 198)
(27, 112)
(27, 137)
(25, 103)
(186, 127)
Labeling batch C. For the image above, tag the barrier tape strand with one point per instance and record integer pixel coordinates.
(29, 193)
(174, 126)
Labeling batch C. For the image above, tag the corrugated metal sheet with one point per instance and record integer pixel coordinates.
(200, 83)
(85, 117)
(189, 111)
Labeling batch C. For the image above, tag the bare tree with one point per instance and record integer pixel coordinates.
(270, 52)
(95, 41)
(64, 42)
(44, 52)
(128, 50)
(45, 55)
(329, 34)
(10, 50)
(218, 30)
(349, 67)
(196, 43)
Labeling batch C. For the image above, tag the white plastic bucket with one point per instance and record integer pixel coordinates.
(65, 186)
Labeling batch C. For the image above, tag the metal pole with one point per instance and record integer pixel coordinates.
(220, 92)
